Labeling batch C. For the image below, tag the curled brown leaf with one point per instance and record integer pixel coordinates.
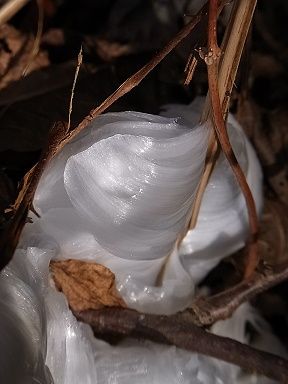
(15, 49)
(86, 285)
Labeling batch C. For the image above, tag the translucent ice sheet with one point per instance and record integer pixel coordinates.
(45, 344)
(121, 193)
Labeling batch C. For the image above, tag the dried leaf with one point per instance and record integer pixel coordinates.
(54, 37)
(86, 285)
(109, 50)
(16, 49)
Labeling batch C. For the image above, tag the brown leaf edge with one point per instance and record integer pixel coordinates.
(86, 285)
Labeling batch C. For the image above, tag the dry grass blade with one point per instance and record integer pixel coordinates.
(11, 234)
(79, 62)
(38, 36)
(10, 9)
(190, 68)
(232, 47)
(223, 138)
(135, 79)
(212, 155)
(220, 86)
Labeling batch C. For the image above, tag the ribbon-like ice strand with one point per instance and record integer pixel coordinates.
(129, 183)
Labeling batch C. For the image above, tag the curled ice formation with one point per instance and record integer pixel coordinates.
(22, 324)
(133, 178)
(222, 225)
(121, 193)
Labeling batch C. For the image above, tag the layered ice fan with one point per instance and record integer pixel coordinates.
(120, 194)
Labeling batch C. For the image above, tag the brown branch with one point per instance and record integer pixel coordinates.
(169, 330)
(221, 306)
(223, 138)
(11, 234)
(184, 328)
(232, 47)
(136, 78)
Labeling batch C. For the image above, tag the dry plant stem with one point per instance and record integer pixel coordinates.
(37, 40)
(232, 47)
(135, 79)
(10, 236)
(190, 68)
(182, 329)
(221, 306)
(33, 176)
(222, 136)
(10, 8)
(79, 62)
(192, 60)
(212, 155)
(169, 330)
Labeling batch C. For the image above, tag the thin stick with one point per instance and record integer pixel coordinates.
(180, 330)
(212, 155)
(24, 202)
(223, 138)
(10, 237)
(79, 63)
(135, 79)
(206, 311)
(232, 47)
(190, 68)
(10, 8)
(169, 330)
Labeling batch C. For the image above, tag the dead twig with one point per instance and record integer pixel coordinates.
(135, 79)
(232, 47)
(24, 202)
(10, 236)
(190, 68)
(79, 63)
(169, 330)
(184, 328)
(212, 60)
(221, 306)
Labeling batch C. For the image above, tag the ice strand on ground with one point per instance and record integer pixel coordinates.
(59, 350)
